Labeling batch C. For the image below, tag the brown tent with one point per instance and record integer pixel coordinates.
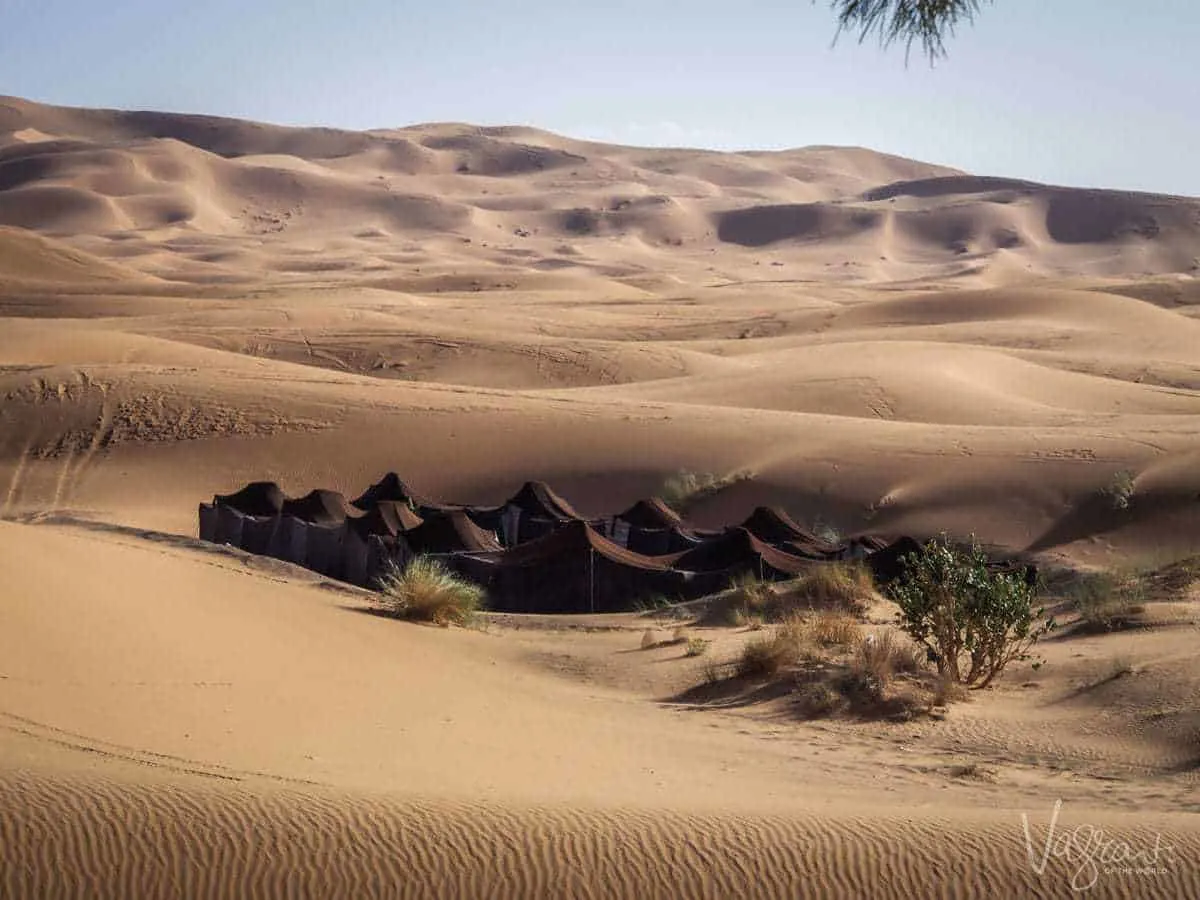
(739, 551)
(449, 532)
(576, 570)
(258, 498)
(321, 507)
(776, 527)
(392, 488)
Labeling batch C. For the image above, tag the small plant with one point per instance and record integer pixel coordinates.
(818, 699)
(685, 489)
(1106, 601)
(835, 585)
(764, 657)
(427, 591)
(882, 655)
(972, 621)
(1120, 490)
(696, 646)
(829, 628)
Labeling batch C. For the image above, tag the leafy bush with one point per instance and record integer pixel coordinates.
(973, 621)
(427, 591)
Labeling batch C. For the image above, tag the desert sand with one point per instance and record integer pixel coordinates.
(885, 346)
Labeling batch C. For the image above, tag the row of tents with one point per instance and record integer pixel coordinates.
(532, 553)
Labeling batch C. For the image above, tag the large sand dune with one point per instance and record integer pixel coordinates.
(190, 303)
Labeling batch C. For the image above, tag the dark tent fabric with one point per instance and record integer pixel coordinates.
(208, 522)
(229, 526)
(653, 513)
(259, 498)
(739, 551)
(392, 488)
(534, 512)
(659, 541)
(887, 564)
(320, 507)
(323, 547)
(257, 533)
(449, 532)
(776, 527)
(385, 517)
(489, 518)
(288, 542)
(537, 498)
(576, 570)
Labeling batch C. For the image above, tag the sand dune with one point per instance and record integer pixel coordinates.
(882, 345)
(157, 741)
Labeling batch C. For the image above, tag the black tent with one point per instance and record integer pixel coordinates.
(776, 527)
(321, 507)
(259, 498)
(576, 570)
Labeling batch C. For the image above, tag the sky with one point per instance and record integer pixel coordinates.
(1094, 93)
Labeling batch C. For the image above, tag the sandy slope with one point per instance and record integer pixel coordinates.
(187, 304)
(171, 720)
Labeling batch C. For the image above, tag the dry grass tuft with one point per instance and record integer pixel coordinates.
(685, 489)
(765, 657)
(839, 585)
(696, 646)
(426, 591)
(1107, 601)
(829, 628)
(885, 654)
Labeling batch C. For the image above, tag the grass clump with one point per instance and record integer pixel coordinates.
(767, 656)
(696, 646)
(684, 489)
(839, 585)
(883, 655)
(830, 628)
(1120, 490)
(1106, 601)
(427, 591)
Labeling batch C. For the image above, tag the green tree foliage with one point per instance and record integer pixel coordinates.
(971, 620)
(909, 21)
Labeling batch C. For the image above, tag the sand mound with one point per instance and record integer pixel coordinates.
(25, 256)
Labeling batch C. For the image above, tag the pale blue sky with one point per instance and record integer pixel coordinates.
(1101, 93)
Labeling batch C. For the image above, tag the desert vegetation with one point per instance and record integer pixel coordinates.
(684, 489)
(972, 621)
(427, 591)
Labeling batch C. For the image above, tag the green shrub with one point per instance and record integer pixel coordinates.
(973, 621)
(427, 591)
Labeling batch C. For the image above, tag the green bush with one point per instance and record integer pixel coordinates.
(971, 620)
